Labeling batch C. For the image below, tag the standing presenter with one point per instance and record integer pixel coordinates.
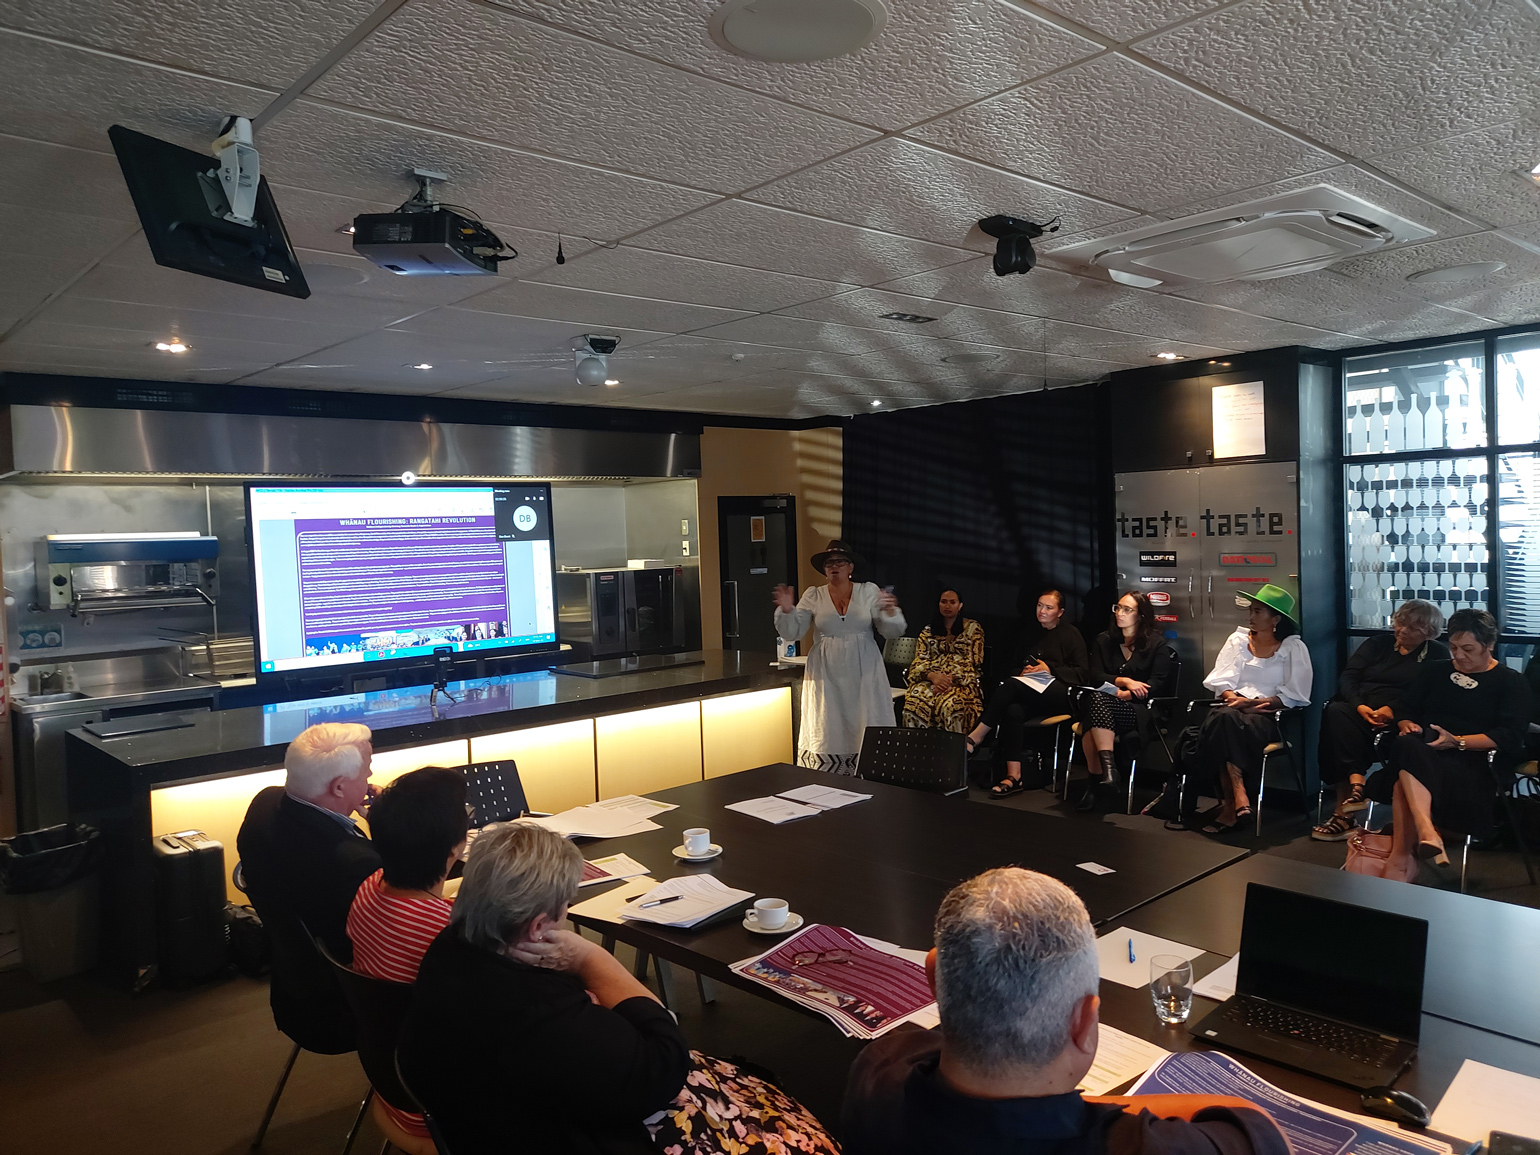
(845, 686)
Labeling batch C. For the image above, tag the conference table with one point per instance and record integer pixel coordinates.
(881, 867)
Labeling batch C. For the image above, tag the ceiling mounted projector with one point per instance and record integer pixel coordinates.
(1280, 236)
(424, 238)
(797, 31)
(591, 357)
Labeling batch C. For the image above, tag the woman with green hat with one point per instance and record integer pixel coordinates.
(1263, 666)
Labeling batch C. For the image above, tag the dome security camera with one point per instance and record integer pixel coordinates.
(592, 369)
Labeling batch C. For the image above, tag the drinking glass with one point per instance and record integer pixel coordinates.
(1171, 987)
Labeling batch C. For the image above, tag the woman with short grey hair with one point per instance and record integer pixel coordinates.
(524, 1035)
(1360, 714)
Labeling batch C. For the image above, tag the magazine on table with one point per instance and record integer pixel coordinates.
(863, 986)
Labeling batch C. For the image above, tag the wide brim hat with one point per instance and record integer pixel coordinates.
(836, 548)
(1277, 599)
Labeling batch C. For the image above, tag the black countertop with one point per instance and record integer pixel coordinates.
(254, 737)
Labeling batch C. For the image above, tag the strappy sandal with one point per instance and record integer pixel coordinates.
(1334, 829)
(1006, 787)
(1356, 800)
(1217, 827)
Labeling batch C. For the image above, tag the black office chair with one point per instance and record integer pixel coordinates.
(1133, 741)
(434, 1130)
(308, 1004)
(933, 760)
(1504, 793)
(494, 792)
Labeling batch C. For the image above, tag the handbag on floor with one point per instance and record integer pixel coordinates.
(1367, 853)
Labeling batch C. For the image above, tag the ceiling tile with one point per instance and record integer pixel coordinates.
(1512, 304)
(103, 90)
(366, 157)
(1125, 133)
(598, 311)
(74, 358)
(770, 238)
(933, 55)
(903, 187)
(1358, 78)
(797, 333)
(865, 308)
(539, 88)
(640, 272)
(1387, 271)
(498, 336)
(223, 38)
(79, 181)
(1480, 172)
(219, 348)
(1126, 19)
(155, 322)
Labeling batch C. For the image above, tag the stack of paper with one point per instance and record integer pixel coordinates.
(1038, 682)
(685, 902)
(863, 986)
(595, 821)
(1119, 1058)
(1484, 1099)
(635, 805)
(1219, 984)
(612, 904)
(823, 797)
(611, 868)
(773, 810)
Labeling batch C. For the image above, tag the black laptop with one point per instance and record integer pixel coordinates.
(1324, 986)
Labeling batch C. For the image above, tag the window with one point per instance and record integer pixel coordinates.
(1441, 483)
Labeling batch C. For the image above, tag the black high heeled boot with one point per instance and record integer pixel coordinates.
(1109, 771)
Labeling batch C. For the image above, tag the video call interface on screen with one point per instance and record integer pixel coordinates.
(360, 574)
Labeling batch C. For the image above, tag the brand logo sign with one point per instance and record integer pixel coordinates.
(1159, 598)
(1157, 559)
(1248, 559)
(1170, 581)
(1233, 523)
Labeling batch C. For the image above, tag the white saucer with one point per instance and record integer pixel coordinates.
(793, 922)
(679, 853)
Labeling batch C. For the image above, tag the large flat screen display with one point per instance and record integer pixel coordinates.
(354, 574)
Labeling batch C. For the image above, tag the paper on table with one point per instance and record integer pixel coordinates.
(612, 903)
(823, 797)
(597, 870)
(635, 805)
(1119, 1058)
(1112, 954)
(594, 822)
(697, 897)
(1038, 682)
(773, 810)
(1219, 984)
(1484, 1099)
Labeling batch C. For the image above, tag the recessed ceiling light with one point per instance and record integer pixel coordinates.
(797, 31)
(347, 229)
(172, 346)
(423, 365)
(1221, 364)
(1449, 273)
(875, 404)
(970, 358)
(612, 380)
(907, 318)
(1168, 356)
(1534, 174)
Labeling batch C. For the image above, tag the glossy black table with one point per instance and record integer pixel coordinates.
(1483, 956)
(881, 867)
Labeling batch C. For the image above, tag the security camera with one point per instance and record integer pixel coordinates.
(591, 352)
(597, 343)
(1014, 237)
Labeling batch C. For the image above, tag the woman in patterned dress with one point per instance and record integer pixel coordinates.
(944, 692)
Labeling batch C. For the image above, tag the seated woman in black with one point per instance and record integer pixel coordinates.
(1436, 774)
(1053, 647)
(1133, 656)
(526, 1037)
(1364, 707)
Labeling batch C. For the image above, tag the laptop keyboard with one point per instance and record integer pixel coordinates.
(1366, 1047)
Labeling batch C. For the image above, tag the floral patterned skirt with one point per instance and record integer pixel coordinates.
(725, 1111)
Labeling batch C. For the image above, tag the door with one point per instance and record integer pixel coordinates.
(650, 614)
(1158, 554)
(757, 546)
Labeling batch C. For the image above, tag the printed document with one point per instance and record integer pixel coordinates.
(594, 821)
(773, 810)
(823, 797)
(1484, 1099)
(685, 901)
(1112, 951)
(1119, 1058)
(609, 869)
(1038, 682)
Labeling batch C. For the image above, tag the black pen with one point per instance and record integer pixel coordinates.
(661, 901)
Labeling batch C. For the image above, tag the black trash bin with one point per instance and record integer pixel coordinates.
(50, 876)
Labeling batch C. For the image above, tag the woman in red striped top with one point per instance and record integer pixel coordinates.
(418, 826)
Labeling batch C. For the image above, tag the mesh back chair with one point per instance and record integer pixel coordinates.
(494, 792)
(434, 1130)
(933, 760)
(1504, 792)
(1132, 740)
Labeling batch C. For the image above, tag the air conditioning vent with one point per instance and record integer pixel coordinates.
(1280, 236)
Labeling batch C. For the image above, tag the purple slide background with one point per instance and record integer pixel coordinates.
(360, 575)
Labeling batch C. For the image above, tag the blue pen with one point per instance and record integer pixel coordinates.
(1130, 950)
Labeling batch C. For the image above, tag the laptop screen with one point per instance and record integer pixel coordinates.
(1352, 963)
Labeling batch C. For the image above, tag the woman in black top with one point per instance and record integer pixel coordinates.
(1456, 711)
(1054, 648)
(1133, 656)
(1371, 686)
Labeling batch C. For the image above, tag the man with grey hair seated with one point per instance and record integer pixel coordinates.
(1015, 974)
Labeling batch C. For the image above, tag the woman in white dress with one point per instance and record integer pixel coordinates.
(845, 686)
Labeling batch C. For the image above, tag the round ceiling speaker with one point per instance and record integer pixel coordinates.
(797, 31)
(1458, 272)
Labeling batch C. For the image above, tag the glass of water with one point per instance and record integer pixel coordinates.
(1171, 987)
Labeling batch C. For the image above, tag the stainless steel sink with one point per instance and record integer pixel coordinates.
(57, 696)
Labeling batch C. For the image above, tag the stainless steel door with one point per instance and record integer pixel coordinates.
(1158, 554)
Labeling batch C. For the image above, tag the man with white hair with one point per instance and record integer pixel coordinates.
(1015, 974)
(300, 847)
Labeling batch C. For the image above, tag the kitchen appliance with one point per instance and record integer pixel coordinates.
(609, 613)
(105, 572)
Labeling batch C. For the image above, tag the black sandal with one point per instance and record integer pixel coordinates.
(1356, 800)
(1006, 787)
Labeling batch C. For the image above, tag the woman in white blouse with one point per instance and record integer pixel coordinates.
(1263, 666)
(845, 685)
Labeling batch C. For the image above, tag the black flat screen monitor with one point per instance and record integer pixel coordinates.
(181, 205)
(349, 576)
(1347, 962)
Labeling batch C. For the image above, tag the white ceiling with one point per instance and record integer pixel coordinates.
(742, 225)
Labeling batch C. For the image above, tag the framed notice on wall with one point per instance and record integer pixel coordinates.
(1240, 427)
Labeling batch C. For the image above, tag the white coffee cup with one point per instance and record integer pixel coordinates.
(697, 841)
(771, 913)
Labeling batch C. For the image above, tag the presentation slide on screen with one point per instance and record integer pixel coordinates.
(346, 575)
